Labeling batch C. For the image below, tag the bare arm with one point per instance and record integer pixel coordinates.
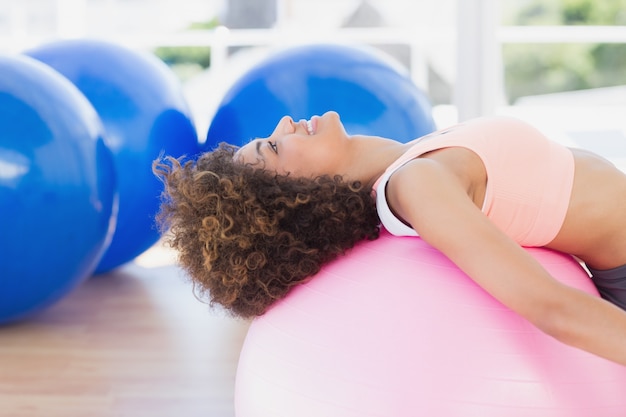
(432, 199)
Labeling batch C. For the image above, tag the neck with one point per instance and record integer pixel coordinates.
(371, 157)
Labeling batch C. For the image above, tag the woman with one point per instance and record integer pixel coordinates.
(251, 223)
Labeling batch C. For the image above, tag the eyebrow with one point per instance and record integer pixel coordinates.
(258, 149)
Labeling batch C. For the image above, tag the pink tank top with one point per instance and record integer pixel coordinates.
(529, 178)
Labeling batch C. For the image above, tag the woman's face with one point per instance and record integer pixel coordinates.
(304, 148)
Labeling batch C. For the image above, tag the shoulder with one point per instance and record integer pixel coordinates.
(417, 173)
(455, 167)
(418, 190)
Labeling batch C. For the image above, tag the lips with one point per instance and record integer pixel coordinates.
(311, 125)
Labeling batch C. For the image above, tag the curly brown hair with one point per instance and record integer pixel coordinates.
(246, 236)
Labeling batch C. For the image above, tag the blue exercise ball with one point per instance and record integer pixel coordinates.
(141, 104)
(57, 187)
(369, 92)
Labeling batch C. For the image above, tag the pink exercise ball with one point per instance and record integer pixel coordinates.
(395, 329)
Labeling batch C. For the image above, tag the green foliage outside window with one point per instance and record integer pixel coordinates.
(546, 68)
(186, 61)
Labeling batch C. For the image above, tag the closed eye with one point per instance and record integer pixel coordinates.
(273, 146)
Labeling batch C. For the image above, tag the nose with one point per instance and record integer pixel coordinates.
(285, 125)
(286, 121)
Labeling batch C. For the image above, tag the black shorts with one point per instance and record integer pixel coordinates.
(611, 284)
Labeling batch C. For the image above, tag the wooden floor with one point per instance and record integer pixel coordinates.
(131, 343)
